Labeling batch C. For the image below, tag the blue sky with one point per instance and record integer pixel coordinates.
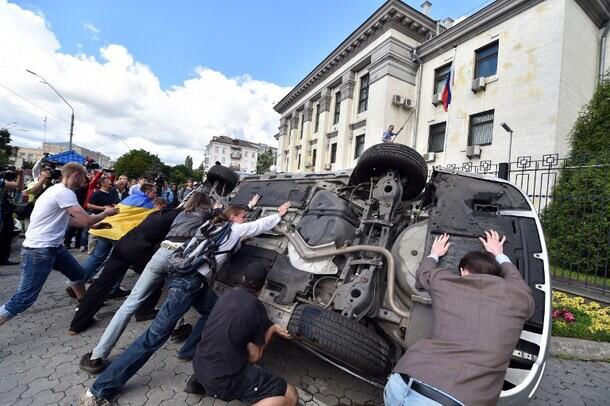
(278, 41)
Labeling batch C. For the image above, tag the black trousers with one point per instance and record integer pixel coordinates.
(6, 236)
(126, 253)
(73, 232)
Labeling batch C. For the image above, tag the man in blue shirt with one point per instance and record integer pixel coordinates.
(388, 134)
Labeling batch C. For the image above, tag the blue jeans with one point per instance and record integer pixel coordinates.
(36, 265)
(153, 275)
(190, 345)
(97, 257)
(182, 292)
(397, 392)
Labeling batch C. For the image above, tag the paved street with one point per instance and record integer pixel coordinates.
(39, 363)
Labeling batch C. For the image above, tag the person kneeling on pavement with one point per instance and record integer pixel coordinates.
(234, 339)
(478, 318)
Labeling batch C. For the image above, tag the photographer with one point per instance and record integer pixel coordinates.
(11, 182)
(43, 250)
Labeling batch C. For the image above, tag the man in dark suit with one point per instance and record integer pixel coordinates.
(478, 318)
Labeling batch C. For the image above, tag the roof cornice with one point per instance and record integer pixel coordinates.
(597, 10)
(392, 14)
(492, 15)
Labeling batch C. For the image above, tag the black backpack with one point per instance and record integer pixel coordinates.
(201, 249)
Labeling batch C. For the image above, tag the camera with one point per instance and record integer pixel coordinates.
(51, 167)
(159, 182)
(8, 173)
(90, 164)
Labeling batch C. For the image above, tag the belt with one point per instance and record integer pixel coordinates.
(430, 392)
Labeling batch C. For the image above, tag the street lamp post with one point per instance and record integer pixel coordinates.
(510, 144)
(61, 97)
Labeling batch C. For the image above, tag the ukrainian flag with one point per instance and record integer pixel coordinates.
(132, 211)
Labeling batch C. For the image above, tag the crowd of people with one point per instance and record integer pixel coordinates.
(175, 239)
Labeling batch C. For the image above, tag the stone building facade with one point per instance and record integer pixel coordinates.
(531, 64)
(239, 155)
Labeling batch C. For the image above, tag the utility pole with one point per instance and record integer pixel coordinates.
(44, 81)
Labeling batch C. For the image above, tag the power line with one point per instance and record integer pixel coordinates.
(32, 103)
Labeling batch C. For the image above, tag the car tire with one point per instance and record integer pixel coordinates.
(387, 156)
(224, 175)
(344, 341)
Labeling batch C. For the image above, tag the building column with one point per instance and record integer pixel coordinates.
(347, 87)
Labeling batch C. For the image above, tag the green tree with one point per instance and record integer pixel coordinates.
(180, 174)
(139, 162)
(5, 148)
(264, 161)
(188, 162)
(577, 222)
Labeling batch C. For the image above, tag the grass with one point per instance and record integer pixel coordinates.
(588, 279)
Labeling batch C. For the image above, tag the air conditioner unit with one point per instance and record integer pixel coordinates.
(437, 98)
(473, 151)
(327, 167)
(398, 100)
(409, 104)
(478, 84)
(430, 157)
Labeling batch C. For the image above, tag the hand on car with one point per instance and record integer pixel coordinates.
(283, 209)
(281, 331)
(440, 245)
(254, 200)
(492, 242)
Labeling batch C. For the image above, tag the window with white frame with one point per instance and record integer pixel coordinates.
(480, 130)
(486, 61)
(363, 98)
(359, 147)
(436, 137)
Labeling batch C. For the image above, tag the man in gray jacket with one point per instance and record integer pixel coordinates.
(478, 318)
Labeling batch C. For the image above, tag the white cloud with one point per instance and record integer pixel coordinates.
(92, 30)
(116, 94)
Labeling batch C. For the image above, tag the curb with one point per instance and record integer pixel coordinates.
(582, 350)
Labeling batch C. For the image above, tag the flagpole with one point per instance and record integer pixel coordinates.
(451, 81)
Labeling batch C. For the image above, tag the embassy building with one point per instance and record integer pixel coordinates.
(531, 64)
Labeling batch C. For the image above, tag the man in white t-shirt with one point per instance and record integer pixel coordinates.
(43, 248)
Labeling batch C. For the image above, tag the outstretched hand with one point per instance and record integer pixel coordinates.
(441, 245)
(254, 200)
(283, 209)
(492, 242)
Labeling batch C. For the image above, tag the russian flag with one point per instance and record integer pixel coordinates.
(446, 95)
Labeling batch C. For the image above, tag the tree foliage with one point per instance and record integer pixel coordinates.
(264, 161)
(5, 149)
(577, 222)
(139, 162)
(188, 162)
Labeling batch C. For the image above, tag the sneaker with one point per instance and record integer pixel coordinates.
(89, 400)
(119, 293)
(194, 387)
(147, 316)
(181, 333)
(93, 366)
(71, 292)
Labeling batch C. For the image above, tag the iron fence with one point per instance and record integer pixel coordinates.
(571, 196)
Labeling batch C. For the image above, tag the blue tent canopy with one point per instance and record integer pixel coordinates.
(67, 156)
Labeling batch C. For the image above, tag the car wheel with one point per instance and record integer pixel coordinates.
(344, 341)
(224, 175)
(389, 156)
